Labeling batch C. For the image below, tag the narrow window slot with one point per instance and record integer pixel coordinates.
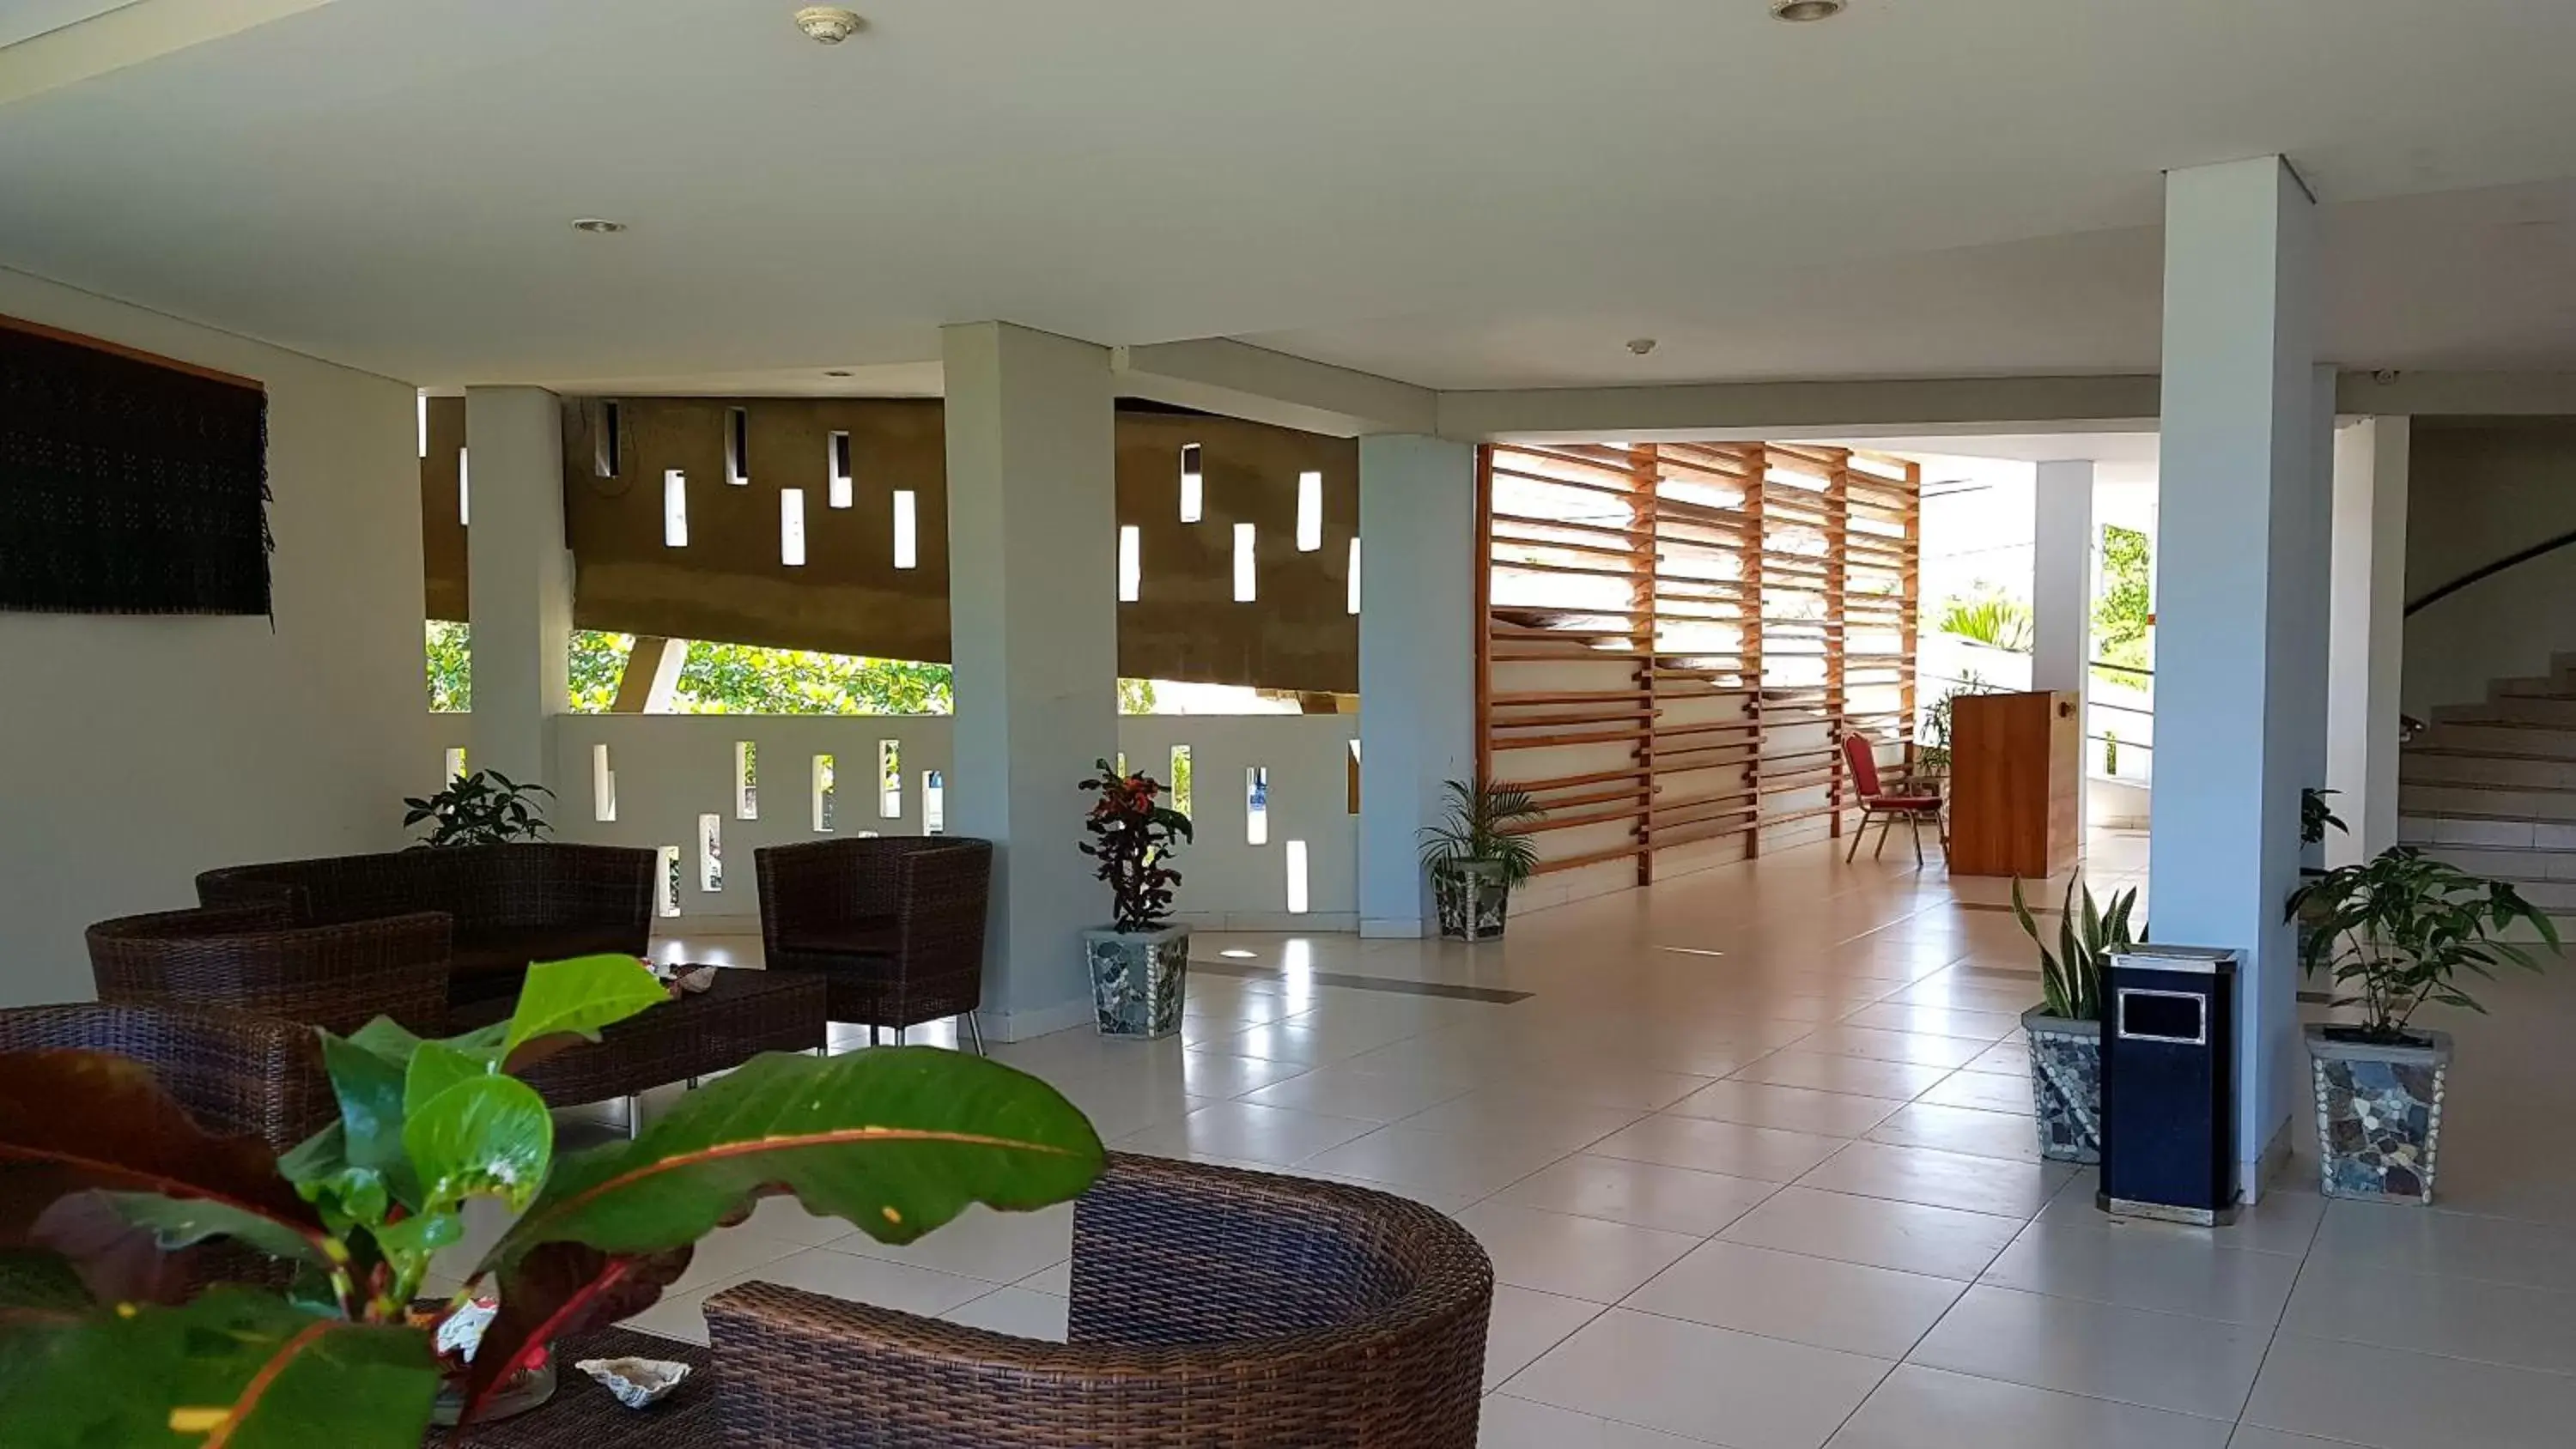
(738, 446)
(1310, 512)
(934, 803)
(711, 853)
(1193, 484)
(675, 509)
(791, 527)
(1256, 805)
(1245, 584)
(843, 490)
(746, 780)
(1131, 562)
(603, 785)
(822, 794)
(1180, 781)
(889, 779)
(907, 539)
(1296, 855)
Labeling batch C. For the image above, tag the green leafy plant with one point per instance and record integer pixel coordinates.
(1133, 834)
(2399, 929)
(103, 1177)
(1478, 830)
(1990, 617)
(483, 808)
(2315, 816)
(1932, 741)
(2087, 939)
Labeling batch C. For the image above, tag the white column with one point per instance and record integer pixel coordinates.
(2062, 587)
(1417, 661)
(519, 593)
(2238, 558)
(1033, 619)
(2367, 632)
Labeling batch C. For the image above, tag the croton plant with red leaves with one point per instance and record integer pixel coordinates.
(108, 1191)
(1132, 836)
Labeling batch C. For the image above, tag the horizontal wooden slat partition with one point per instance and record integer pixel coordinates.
(1674, 632)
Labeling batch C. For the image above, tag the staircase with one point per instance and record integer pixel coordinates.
(2492, 787)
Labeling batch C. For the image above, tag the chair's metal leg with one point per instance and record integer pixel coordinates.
(1914, 824)
(1885, 824)
(975, 1034)
(1857, 832)
(634, 1116)
(872, 1033)
(898, 1036)
(693, 1084)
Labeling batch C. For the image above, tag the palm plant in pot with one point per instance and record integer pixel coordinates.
(2396, 932)
(1476, 859)
(2065, 1029)
(1139, 962)
(108, 1189)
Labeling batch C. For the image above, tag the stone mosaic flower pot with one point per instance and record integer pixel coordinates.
(2065, 1085)
(1471, 898)
(2379, 1115)
(1139, 980)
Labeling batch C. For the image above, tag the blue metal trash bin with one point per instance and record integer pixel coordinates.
(2169, 1085)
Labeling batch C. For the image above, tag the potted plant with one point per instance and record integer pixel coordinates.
(114, 1177)
(2065, 1029)
(2396, 931)
(1140, 961)
(483, 808)
(1476, 860)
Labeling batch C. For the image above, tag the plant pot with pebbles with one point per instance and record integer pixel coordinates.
(1140, 963)
(2396, 932)
(2065, 1029)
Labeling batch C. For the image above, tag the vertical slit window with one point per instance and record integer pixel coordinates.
(746, 780)
(1296, 855)
(609, 450)
(838, 459)
(603, 785)
(1180, 781)
(738, 446)
(1131, 562)
(907, 538)
(934, 803)
(822, 794)
(1353, 605)
(1193, 484)
(666, 890)
(711, 853)
(889, 779)
(791, 527)
(1256, 805)
(424, 427)
(1245, 586)
(675, 509)
(455, 763)
(1355, 778)
(464, 491)
(1310, 512)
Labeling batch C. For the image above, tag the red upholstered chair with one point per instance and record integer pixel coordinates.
(1887, 801)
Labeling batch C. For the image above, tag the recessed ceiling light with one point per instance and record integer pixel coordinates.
(1800, 10)
(598, 226)
(836, 372)
(829, 24)
(1641, 345)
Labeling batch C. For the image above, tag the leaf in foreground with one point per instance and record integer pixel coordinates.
(235, 1367)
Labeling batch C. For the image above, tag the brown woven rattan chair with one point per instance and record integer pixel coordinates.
(253, 958)
(511, 904)
(1211, 1307)
(894, 924)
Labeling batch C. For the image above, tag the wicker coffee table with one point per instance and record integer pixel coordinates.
(745, 1013)
(582, 1415)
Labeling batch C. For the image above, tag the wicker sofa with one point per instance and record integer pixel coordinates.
(253, 957)
(1210, 1306)
(509, 904)
(237, 1074)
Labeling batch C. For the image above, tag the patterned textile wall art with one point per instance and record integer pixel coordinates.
(129, 484)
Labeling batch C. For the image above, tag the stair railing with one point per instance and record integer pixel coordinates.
(2488, 571)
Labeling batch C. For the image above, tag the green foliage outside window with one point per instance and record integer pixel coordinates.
(1988, 616)
(2121, 631)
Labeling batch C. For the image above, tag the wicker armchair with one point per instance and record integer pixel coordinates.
(1211, 1306)
(512, 904)
(253, 958)
(894, 924)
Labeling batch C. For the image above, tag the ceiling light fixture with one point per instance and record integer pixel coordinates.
(836, 372)
(829, 24)
(1797, 11)
(1641, 345)
(598, 226)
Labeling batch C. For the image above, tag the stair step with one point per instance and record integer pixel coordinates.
(2511, 709)
(2515, 741)
(2518, 866)
(2483, 802)
(2553, 686)
(2420, 766)
(2430, 830)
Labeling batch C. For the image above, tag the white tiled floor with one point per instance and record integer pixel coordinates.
(1785, 1197)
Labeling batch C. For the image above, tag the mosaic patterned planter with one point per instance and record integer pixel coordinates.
(2065, 1085)
(1139, 980)
(1471, 898)
(2379, 1115)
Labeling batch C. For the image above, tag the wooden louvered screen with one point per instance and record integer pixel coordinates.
(1676, 632)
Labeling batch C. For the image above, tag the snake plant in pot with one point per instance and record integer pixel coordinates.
(109, 1192)
(2397, 932)
(2065, 1029)
(1476, 859)
(1140, 962)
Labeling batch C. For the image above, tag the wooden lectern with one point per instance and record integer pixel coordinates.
(2016, 782)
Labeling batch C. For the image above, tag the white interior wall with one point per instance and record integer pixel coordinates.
(2478, 492)
(142, 750)
(670, 769)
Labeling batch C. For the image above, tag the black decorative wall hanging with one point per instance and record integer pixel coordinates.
(128, 484)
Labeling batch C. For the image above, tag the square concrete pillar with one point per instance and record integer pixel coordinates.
(519, 594)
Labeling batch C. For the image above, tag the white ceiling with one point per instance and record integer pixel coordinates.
(21, 19)
(1459, 193)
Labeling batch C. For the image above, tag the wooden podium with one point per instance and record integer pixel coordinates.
(2016, 782)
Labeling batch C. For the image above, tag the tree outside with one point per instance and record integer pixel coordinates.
(2122, 631)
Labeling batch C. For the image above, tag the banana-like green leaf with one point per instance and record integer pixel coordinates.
(184, 1222)
(487, 1136)
(898, 1141)
(367, 1072)
(579, 997)
(234, 1368)
(437, 1066)
(72, 1121)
